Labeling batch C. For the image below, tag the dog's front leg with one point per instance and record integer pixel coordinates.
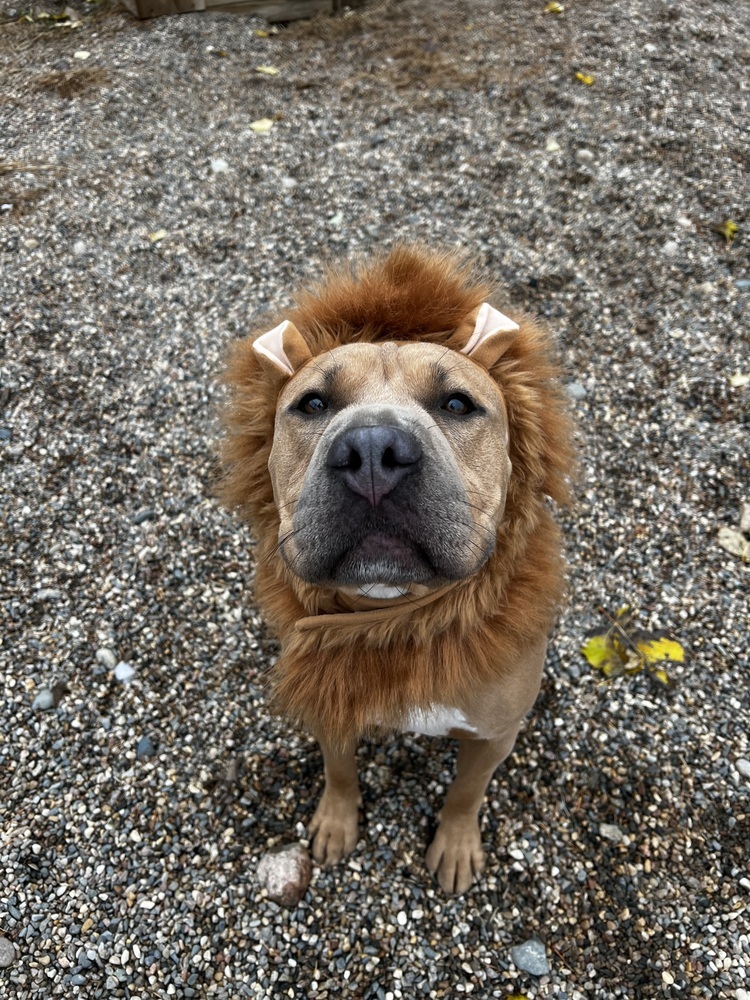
(335, 825)
(455, 854)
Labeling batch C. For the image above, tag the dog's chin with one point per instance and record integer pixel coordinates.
(384, 559)
(375, 559)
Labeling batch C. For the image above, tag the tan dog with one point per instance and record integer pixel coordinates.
(392, 442)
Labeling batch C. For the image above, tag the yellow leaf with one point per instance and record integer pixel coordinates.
(585, 78)
(262, 125)
(553, 7)
(157, 236)
(261, 33)
(661, 675)
(657, 648)
(738, 380)
(603, 654)
(268, 70)
(728, 230)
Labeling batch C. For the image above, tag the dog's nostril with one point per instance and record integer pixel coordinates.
(389, 459)
(354, 461)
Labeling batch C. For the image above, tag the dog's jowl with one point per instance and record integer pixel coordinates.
(392, 442)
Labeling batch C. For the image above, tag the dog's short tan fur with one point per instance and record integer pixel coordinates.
(478, 648)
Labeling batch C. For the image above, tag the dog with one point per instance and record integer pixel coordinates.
(392, 442)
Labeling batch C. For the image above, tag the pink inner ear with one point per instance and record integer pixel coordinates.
(271, 346)
(489, 322)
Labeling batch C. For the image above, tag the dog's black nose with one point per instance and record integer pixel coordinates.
(372, 461)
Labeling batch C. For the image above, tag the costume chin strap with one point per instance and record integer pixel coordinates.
(358, 611)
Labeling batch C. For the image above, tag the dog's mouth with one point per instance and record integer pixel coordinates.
(380, 557)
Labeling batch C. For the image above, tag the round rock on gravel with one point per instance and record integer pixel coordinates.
(285, 874)
(7, 953)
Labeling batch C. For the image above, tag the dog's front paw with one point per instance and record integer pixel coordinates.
(455, 855)
(334, 829)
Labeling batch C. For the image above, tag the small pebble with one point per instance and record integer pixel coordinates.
(285, 873)
(611, 832)
(552, 146)
(124, 672)
(584, 156)
(79, 248)
(671, 248)
(575, 390)
(743, 284)
(5, 433)
(743, 766)
(401, 918)
(531, 957)
(106, 657)
(145, 748)
(44, 701)
(145, 514)
(219, 166)
(48, 594)
(706, 288)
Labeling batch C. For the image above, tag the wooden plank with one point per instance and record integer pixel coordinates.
(270, 10)
(274, 10)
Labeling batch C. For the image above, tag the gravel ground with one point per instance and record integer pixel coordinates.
(134, 811)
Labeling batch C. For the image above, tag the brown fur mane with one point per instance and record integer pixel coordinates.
(339, 680)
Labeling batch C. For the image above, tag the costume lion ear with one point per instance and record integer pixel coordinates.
(488, 333)
(283, 348)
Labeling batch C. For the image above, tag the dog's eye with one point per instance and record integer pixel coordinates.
(312, 403)
(458, 404)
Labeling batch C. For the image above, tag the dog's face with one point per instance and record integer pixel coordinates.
(389, 465)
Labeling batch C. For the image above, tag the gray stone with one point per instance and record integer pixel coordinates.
(48, 594)
(584, 156)
(743, 766)
(5, 433)
(107, 658)
(743, 284)
(575, 390)
(78, 980)
(531, 957)
(7, 953)
(44, 701)
(124, 672)
(611, 832)
(145, 748)
(145, 514)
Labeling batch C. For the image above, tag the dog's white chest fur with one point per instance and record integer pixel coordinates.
(437, 720)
